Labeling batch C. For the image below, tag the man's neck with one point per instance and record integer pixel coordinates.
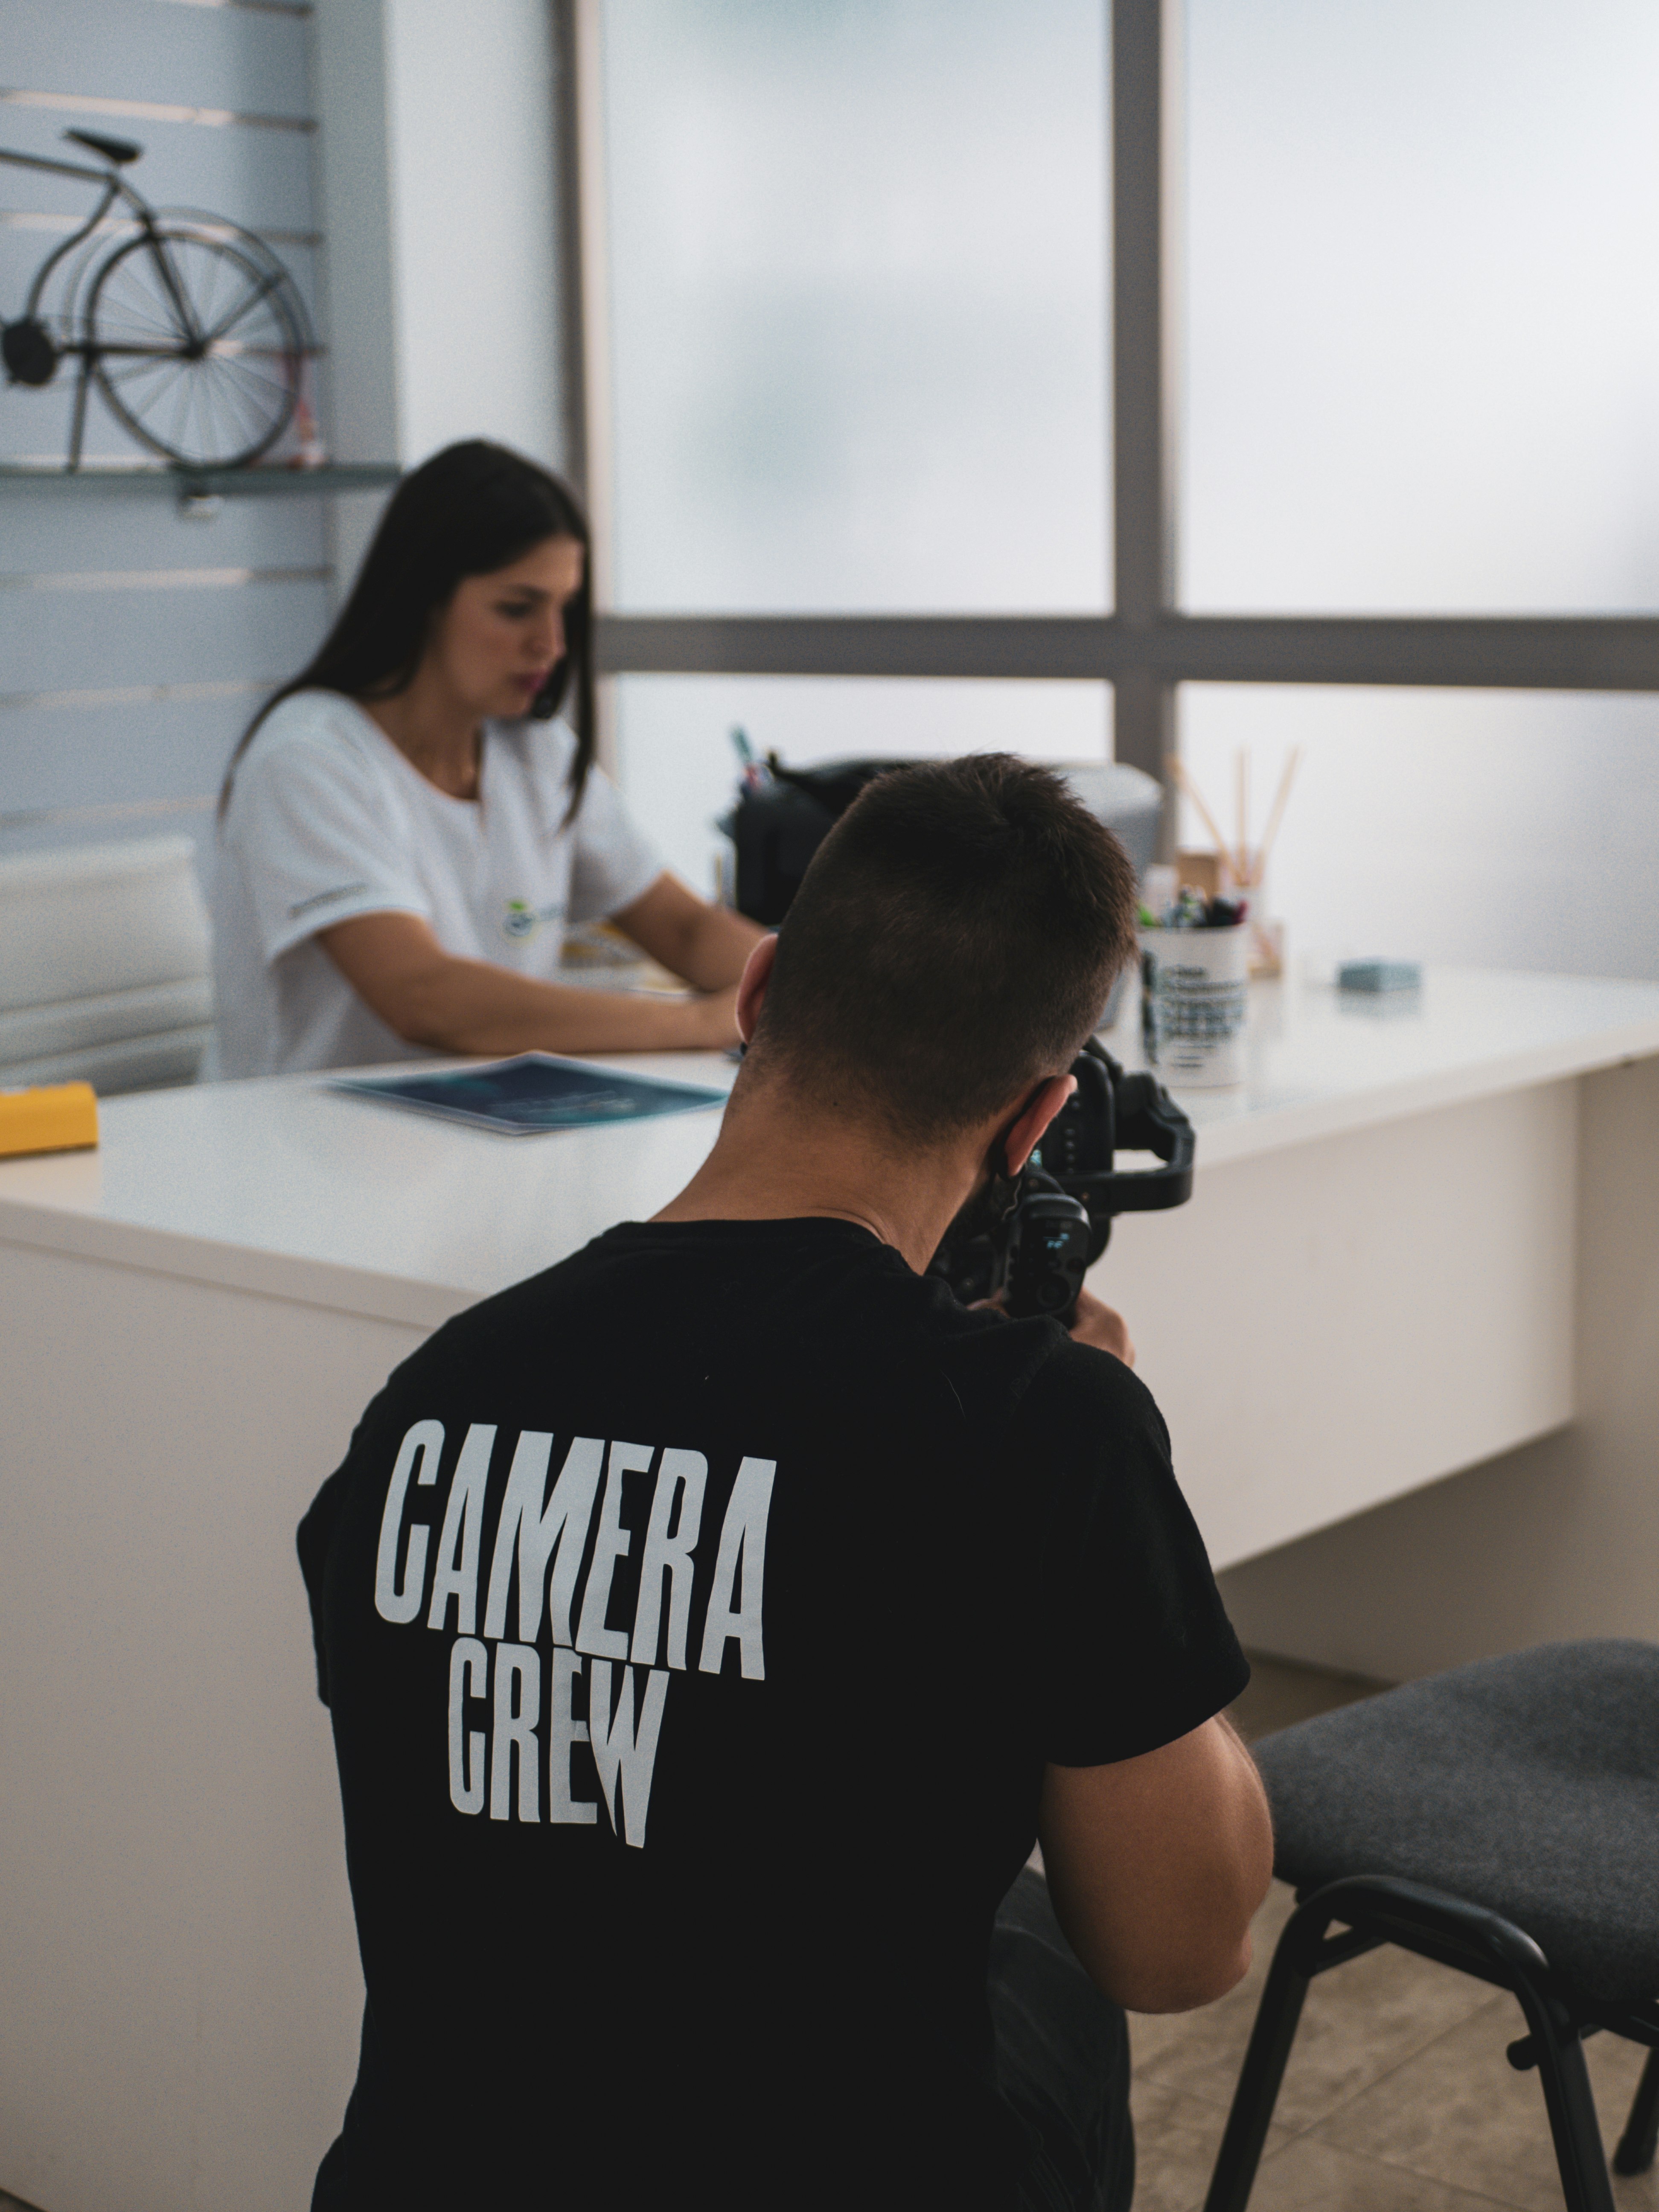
(777, 1159)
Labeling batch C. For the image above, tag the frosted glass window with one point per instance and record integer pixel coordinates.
(858, 304)
(1479, 828)
(1423, 343)
(678, 769)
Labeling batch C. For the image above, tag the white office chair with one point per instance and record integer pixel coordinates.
(105, 966)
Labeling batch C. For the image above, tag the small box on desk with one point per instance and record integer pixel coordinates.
(53, 1117)
(1374, 976)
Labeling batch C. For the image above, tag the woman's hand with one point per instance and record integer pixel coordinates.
(711, 1019)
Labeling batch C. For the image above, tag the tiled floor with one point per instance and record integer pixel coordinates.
(1397, 2097)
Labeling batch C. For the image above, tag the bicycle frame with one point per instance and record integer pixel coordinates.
(113, 187)
(226, 411)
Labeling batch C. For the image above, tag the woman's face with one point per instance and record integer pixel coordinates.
(494, 645)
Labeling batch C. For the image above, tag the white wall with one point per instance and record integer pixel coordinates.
(470, 107)
(354, 185)
(439, 184)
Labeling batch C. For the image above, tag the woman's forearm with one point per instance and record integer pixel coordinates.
(707, 945)
(473, 1007)
(718, 949)
(430, 996)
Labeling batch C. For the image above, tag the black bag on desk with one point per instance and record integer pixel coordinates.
(777, 829)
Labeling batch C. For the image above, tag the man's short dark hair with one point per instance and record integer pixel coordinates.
(953, 942)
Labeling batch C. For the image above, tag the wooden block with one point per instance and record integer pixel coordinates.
(1202, 870)
(54, 1117)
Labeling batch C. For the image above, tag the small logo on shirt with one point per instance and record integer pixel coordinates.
(522, 920)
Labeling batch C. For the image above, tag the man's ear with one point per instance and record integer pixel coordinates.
(751, 991)
(1040, 1109)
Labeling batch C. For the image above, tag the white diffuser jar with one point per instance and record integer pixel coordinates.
(1195, 1004)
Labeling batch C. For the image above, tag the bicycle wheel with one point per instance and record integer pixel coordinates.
(197, 340)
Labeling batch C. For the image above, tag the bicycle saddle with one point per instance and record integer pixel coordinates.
(119, 150)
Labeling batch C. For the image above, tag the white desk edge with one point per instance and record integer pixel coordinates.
(40, 1206)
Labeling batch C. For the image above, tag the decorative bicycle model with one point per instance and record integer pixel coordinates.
(191, 328)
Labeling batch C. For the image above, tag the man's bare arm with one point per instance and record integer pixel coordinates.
(1156, 1865)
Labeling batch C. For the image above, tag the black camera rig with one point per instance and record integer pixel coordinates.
(1054, 1221)
(1037, 1236)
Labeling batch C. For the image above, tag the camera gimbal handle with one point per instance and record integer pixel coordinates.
(1039, 1247)
(1113, 1111)
(1148, 1120)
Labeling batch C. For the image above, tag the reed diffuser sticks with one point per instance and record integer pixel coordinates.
(1245, 866)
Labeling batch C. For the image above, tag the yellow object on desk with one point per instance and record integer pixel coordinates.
(53, 1117)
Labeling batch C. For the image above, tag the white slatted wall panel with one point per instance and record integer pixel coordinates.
(135, 644)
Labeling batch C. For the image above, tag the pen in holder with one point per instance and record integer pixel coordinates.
(1241, 868)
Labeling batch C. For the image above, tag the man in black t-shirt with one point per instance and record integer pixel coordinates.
(713, 1623)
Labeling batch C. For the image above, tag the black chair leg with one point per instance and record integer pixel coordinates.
(1276, 2021)
(1380, 1909)
(1578, 2152)
(1641, 2136)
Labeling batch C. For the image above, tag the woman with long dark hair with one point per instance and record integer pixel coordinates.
(405, 831)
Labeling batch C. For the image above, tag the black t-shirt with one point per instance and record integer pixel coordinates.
(697, 1620)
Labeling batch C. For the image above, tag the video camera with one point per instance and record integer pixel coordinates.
(1058, 1217)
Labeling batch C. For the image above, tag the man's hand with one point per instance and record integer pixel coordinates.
(1098, 1324)
(1094, 1324)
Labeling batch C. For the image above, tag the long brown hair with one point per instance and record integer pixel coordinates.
(472, 509)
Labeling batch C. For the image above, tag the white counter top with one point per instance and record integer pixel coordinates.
(1324, 1060)
(286, 1188)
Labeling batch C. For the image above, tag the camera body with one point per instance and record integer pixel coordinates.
(1059, 1214)
(1049, 1235)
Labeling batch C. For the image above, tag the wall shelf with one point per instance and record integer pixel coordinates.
(191, 485)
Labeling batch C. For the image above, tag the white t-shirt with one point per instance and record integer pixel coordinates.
(328, 819)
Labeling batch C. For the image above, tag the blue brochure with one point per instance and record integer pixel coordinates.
(533, 1093)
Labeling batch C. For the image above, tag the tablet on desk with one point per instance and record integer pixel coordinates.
(533, 1093)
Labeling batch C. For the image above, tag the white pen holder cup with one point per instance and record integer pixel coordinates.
(1195, 1004)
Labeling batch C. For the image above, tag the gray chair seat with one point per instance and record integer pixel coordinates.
(1503, 1819)
(1528, 1784)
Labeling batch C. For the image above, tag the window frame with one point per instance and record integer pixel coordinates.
(1146, 648)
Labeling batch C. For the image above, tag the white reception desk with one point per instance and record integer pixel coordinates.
(1413, 1237)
